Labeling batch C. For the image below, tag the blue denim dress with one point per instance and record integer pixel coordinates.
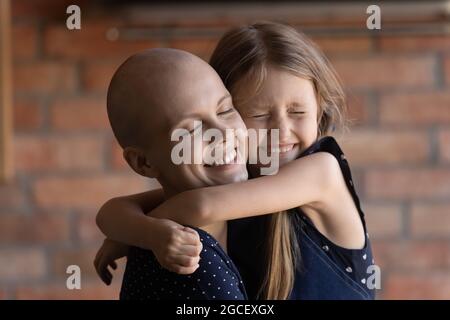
(326, 271)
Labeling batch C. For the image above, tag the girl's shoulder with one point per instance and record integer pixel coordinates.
(333, 156)
(342, 201)
(325, 144)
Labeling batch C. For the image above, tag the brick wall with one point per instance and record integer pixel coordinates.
(68, 164)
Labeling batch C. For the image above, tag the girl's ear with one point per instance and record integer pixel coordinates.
(137, 160)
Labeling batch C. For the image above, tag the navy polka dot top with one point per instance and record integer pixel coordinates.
(217, 278)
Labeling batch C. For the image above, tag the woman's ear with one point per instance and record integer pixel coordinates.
(137, 160)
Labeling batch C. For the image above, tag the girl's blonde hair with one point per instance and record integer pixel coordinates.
(245, 53)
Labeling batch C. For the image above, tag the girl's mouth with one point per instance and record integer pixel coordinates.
(282, 148)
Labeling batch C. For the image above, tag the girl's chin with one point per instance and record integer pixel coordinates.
(283, 158)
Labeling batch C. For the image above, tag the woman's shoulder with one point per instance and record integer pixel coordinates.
(212, 252)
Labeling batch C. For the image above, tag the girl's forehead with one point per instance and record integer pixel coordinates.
(273, 81)
(291, 94)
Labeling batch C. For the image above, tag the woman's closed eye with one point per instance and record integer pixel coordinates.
(225, 112)
(194, 130)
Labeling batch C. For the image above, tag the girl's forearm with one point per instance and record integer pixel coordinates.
(301, 181)
(187, 208)
(123, 219)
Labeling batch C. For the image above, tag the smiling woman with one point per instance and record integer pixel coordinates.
(5, 92)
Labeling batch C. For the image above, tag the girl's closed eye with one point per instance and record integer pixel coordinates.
(297, 111)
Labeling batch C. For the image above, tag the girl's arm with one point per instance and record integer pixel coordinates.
(177, 248)
(306, 180)
(118, 216)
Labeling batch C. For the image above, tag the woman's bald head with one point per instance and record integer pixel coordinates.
(144, 88)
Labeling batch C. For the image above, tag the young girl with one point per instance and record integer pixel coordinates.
(316, 246)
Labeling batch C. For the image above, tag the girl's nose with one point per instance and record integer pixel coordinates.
(282, 123)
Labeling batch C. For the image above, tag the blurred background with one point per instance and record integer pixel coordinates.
(60, 161)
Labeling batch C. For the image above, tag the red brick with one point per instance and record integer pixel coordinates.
(96, 76)
(3, 294)
(27, 115)
(431, 220)
(91, 42)
(203, 20)
(383, 220)
(358, 109)
(415, 108)
(44, 153)
(447, 70)
(408, 184)
(24, 41)
(345, 44)
(42, 8)
(82, 257)
(79, 114)
(92, 290)
(22, 264)
(386, 72)
(11, 196)
(444, 145)
(202, 47)
(415, 43)
(117, 160)
(426, 286)
(33, 229)
(85, 192)
(374, 147)
(44, 77)
(86, 228)
(408, 255)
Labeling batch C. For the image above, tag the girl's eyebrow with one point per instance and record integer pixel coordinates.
(296, 104)
(265, 107)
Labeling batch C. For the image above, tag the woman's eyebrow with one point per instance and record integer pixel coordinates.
(227, 96)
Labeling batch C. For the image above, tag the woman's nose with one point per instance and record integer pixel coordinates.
(225, 130)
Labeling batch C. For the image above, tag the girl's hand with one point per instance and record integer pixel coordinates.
(106, 256)
(177, 248)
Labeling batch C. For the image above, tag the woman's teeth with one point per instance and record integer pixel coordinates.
(227, 159)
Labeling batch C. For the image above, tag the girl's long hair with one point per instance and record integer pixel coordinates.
(243, 54)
